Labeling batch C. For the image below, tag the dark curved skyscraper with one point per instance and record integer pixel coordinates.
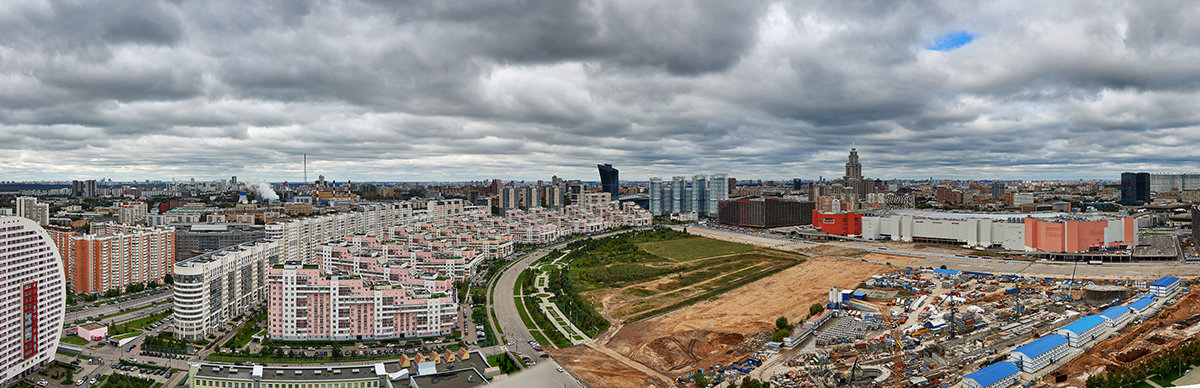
(609, 180)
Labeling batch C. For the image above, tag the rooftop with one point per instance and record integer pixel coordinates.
(1165, 281)
(1115, 311)
(1041, 345)
(993, 373)
(1142, 303)
(1083, 324)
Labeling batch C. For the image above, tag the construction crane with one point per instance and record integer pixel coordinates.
(850, 381)
(897, 348)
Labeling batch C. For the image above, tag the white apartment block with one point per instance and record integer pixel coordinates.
(34, 295)
(220, 285)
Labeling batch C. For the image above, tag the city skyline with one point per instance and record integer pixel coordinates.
(431, 91)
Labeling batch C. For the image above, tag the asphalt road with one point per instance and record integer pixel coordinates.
(116, 307)
(506, 309)
(510, 322)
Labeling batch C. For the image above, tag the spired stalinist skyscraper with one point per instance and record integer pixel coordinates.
(853, 180)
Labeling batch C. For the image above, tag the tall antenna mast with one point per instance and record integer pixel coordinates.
(306, 169)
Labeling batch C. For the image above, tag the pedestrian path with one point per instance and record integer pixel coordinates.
(560, 321)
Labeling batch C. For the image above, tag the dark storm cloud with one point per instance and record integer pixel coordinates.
(425, 90)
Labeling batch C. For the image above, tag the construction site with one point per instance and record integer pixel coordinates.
(889, 321)
(945, 325)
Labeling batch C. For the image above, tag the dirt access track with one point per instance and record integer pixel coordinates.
(599, 370)
(1167, 330)
(708, 333)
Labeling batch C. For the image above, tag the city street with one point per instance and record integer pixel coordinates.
(116, 307)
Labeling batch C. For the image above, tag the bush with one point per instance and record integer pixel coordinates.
(779, 335)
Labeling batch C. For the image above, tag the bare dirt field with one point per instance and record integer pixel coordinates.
(708, 333)
(599, 370)
(1167, 330)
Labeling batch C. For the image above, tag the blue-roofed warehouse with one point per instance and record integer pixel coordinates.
(1116, 314)
(1039, 353)
(1083, 330)
(998, 375)
(1142, 305)
(1165, 287)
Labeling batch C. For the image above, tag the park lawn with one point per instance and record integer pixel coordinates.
(692, 248)
(75, 340)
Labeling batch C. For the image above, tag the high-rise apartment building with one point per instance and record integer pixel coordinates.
(997, 189)
(609, 180)
(656, 197)
(30, 208)
(114, 256)
(34, 298)
(699, 195)
(508, 198)
(554, 196)
(132, 212)
(86, 189)
(1135, 188)
(218, 286)
(530, 196)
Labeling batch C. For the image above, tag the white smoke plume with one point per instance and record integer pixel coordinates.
(264, 192)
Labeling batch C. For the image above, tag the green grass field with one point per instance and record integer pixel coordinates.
(75, 340)
(688, 249)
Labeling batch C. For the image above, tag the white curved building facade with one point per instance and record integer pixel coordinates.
(34, 295)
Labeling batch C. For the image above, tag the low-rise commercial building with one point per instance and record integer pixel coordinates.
(1082, 330)
(842, 224)
(1116, 315)
(998, 375)
(1017, 232)
(1165, 286)
(1036, 355)
(1142, 306)
(92, 331)
(430, 370)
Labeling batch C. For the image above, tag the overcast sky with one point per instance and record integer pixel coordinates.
(459, 90)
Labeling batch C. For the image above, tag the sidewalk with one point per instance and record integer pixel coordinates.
(560, 321)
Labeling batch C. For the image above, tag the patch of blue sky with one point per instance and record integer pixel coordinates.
(951, 41)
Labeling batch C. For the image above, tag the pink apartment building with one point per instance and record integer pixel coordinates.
(306, 304)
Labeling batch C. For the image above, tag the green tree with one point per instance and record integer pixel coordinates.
(815, 309)
(336, 352)
(169, 279)
(781, 323)
(112, 293)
